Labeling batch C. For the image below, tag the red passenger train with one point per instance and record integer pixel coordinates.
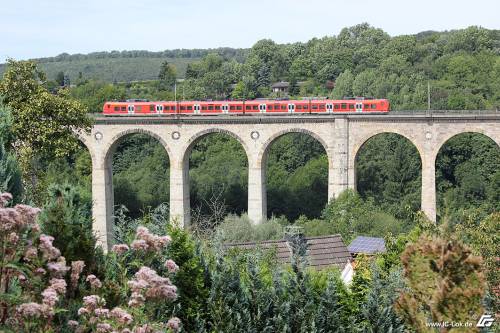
(250, 107)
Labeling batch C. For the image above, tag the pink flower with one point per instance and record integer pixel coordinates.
(94, 281)
(83, 311)
(4, 198)
(13, 238)
(139, 244)
(171, 266)
(120, 248)
(103, 328)
(58, 285)
(76, 270)
(59, 268)
(174, 324)
(49, 297)
(101, 312)
(93, 301)
(40, 271)
(30, 310)
(122, 316)
(30, 253)
(72, 323)
(48, 250)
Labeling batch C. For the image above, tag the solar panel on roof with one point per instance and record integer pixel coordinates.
(368, 245)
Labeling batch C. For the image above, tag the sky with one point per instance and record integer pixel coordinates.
(43, 28)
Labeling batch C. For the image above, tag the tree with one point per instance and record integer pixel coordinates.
(43, 124)
(68, 217)
(167, 76)
(60, 78)
(10, 175)
(446, 284)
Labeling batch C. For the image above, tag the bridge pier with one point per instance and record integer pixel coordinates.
(180, 210)
(257, 193)
(102, 204)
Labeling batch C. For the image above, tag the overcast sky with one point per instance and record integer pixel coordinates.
(40, 28)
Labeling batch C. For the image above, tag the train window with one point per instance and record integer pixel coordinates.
(183, 108)
(306, 107)
(322, 106)
(239, 107)
(276, 106)
(314, 107)
(138, 108)
(351, 106)
(151, 107)
(117, 108)
(255, 107)
(232, 107)
(336, 106)
(123, 108)
(248, 107)
(167, 108)
(299, 107)
(217, 107)
(210, 107)
(269, 107)
(107, 105)
(366, 106)
(283, 107)
(203, 107)
(344, 106)
(374, 106)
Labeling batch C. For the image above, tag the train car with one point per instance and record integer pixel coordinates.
(250, 107)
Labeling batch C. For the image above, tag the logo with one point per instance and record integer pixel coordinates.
(486, 320)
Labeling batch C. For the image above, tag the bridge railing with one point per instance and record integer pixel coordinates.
(447, 112)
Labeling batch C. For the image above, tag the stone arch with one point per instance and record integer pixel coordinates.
(115, 140)
(201, 134)
(84, 139)
(183, 164)
(262, 156)
(365, 139)
(371, 134)
(451, 134)
(262, 160)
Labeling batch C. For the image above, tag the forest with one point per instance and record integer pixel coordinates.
(211, 289)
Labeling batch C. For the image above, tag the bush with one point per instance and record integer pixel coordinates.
(239, 229)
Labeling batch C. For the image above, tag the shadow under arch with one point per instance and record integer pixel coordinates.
(388, 169)
(298, 201)
(232, 203)
(467, 170)
(132, 194)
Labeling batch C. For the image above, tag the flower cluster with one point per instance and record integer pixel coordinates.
(95, 283)
(120, 248)
(171, 266)
(48, 250)
(149, 285)
(76, 270)
(145, 240)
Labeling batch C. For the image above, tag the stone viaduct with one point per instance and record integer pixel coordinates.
(341, 136)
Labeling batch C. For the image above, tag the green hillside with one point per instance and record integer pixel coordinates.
(126, 66)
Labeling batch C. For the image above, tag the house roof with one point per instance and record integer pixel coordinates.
(322, 252)
(282, 84)
(367, 245)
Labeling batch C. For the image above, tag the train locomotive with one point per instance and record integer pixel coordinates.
(248, 107)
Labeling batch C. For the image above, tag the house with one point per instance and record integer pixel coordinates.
(280, 87)
(322, 252)
(366, 245)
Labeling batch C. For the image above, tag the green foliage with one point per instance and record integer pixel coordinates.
(388, 169)
(349, 215)
(68, 216)
(467, 176)
(43, 123)
(189, 279)
(236, 229)
(167, 76)
(10, 174)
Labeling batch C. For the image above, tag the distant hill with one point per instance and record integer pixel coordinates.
(126, 66)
